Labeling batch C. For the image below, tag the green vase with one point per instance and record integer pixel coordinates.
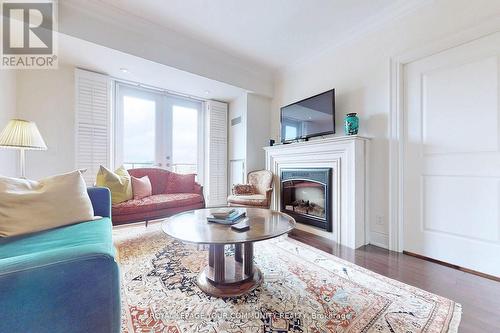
(351, 124)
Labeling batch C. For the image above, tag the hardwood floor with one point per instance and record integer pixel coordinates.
(480, 297)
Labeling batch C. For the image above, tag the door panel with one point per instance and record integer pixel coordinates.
(154, 129)
(139, 132)
(185, 128)
(138, 135)
(452, 156)
(454, 96)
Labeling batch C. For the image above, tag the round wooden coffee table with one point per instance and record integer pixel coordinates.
(228, 276)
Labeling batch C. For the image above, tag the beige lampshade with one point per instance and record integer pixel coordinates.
(22, 134)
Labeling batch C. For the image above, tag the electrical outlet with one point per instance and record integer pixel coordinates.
(379, 219)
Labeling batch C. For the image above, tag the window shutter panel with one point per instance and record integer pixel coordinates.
(216, 153)
(93, 113)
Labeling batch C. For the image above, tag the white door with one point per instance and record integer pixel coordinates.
(140, 135)
(183, 122)
(452, 156)
(154, 129)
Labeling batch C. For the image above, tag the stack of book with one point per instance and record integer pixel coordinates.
(226, 216)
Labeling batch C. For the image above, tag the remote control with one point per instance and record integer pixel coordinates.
(241, 226)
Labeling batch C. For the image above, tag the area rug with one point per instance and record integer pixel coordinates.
(304, 290)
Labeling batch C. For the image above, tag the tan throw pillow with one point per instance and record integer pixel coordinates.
(118, 182)
(244, 189)
(28, 206)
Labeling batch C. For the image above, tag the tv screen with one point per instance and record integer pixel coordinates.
(312, 116)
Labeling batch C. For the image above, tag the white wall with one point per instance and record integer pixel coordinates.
(237, 133)
(258, 130)
(47, 98)
(8, 158)
(359, 72)
(247, 138)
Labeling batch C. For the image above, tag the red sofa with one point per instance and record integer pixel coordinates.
(172, 194)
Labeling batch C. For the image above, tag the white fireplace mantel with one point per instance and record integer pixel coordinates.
(347, 156)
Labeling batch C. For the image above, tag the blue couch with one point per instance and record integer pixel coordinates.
(64, 279)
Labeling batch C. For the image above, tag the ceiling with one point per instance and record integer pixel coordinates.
(274, 33)
(90, 56)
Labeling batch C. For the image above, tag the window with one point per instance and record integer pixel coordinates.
(139, 119)
(184, 140)
(157, 130)
(291, 131)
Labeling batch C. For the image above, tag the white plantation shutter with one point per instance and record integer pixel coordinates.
(93, 103)
(216, 153)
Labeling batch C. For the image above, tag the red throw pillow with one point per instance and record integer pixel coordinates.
(181, 183)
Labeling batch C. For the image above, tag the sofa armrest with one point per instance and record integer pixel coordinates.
(198, 189)
(101, 200)
(269, 193)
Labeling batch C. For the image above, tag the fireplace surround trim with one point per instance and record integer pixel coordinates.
(347, 156)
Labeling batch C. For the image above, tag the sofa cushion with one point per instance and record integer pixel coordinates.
(178, 183)
(28, 206)
(86, 239)
(253, 199)
(60, 280)
(156, 202)
(118, 182)
(141, 187)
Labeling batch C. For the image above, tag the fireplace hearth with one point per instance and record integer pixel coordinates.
(306, 196)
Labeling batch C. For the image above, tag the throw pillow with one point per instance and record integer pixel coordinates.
(244, 189)
(118, 182)
(141, 187)
(178, 183)
(28, 206)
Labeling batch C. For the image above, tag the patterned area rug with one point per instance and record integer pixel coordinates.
(304, 290)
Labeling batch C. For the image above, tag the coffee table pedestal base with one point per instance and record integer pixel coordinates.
(235, 289)
(230, 276)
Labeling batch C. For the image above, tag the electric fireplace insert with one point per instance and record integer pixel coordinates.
(306, 196)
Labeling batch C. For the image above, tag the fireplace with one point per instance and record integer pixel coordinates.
(306, 195)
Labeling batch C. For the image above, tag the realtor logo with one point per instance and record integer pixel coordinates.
(28, 34)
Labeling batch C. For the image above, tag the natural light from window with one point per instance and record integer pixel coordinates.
(138, 132)
(291, 132)
(184, 140)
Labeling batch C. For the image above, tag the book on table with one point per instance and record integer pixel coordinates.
(222, 213)
(232, 217)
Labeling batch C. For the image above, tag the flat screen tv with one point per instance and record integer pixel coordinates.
(313, 116)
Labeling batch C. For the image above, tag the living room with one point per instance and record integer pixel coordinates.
(264, 166)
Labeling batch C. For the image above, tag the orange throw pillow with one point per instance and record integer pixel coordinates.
(141, 187)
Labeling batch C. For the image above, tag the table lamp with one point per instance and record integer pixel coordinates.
(23, 135)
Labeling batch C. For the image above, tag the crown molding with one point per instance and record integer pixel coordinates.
(390, 14)
(112, 27)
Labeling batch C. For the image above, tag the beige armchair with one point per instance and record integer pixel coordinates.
(257, 193)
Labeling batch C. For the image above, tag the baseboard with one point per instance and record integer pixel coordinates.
(379, 239)
(460, 268)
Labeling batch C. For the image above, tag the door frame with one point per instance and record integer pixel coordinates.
(397, 118)
(164, 143)
(194, 104)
